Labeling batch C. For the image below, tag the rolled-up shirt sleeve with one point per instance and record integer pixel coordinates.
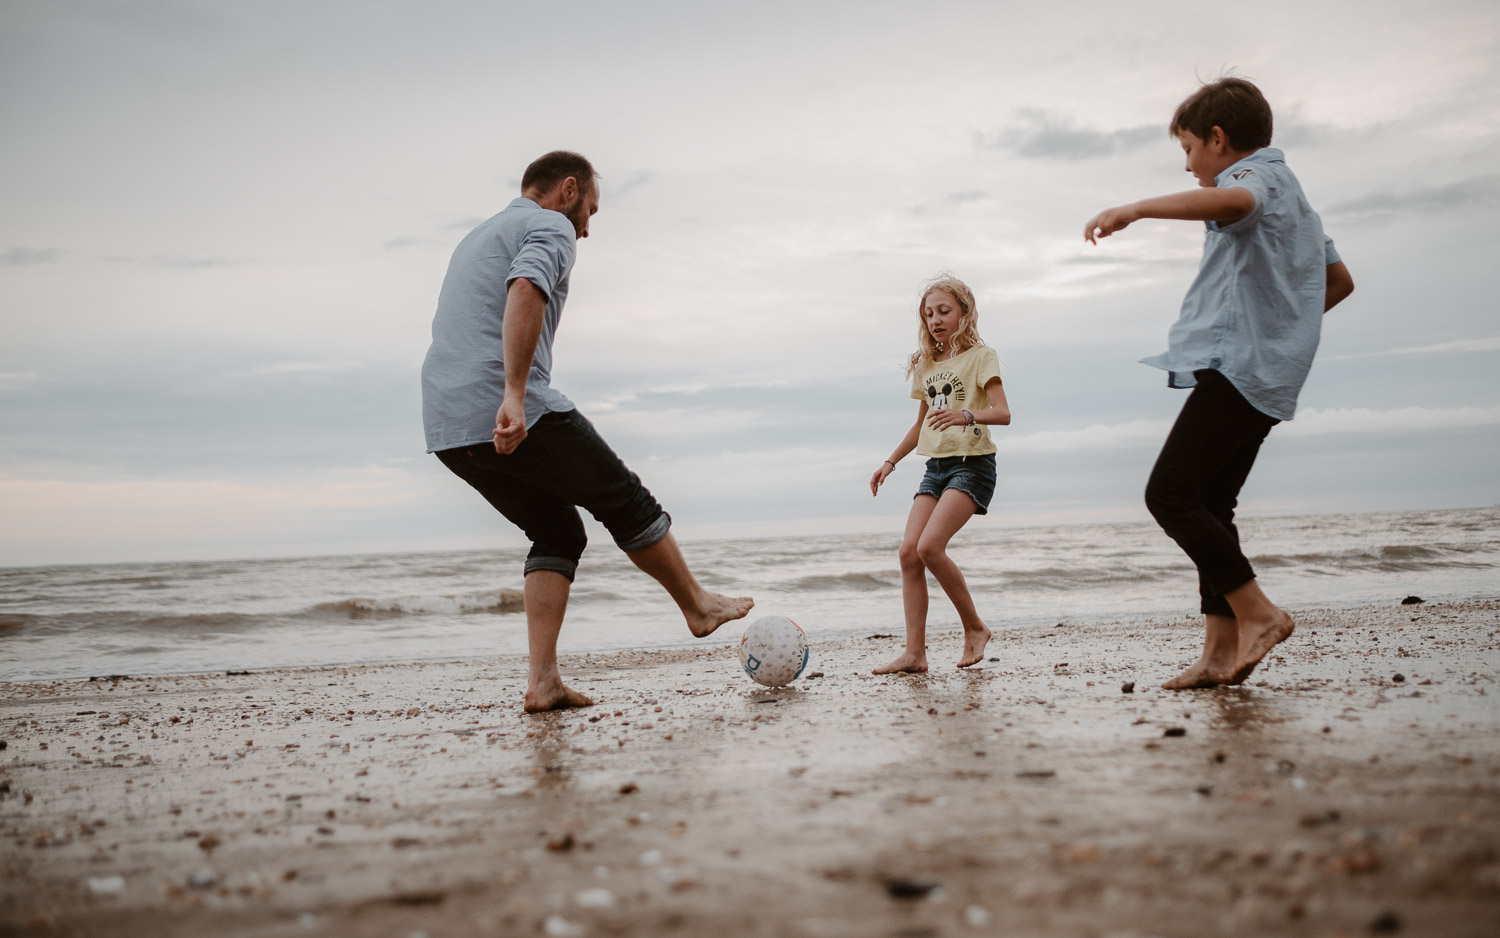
(546, 253)
(1254, 183)
(1330, 253)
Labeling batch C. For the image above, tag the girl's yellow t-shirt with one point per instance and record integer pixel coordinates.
(957, 384)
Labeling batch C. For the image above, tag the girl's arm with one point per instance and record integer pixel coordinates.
(907, 444)
(998, 413)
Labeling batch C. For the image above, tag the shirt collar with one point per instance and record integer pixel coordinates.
(1263, 155)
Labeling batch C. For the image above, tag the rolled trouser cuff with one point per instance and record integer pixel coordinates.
(563, 565)
(654, 532)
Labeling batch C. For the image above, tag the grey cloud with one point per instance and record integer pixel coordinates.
(177, 261)
(631, 182)
(24, 257)
(407, 241)
(1386, 204)
(1040, 134)
(972, 195)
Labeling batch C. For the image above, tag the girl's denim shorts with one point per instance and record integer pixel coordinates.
(972, 475)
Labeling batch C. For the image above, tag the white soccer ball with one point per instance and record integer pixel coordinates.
(773, 651)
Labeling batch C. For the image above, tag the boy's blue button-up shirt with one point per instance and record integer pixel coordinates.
(1255, 311)
(463, 377)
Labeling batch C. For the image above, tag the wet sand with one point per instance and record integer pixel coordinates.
(1029, 796)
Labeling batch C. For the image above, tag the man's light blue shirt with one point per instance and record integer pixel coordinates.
(463, 378)
(1254, 313)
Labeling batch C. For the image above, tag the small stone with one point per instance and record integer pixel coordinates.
(1412, 601)
(1398, 678)
(1036, 773)
(629, 788)
(815, 674)
(563, 842)
(106, 885)
(596, 898)
(994, 659)
(208, 843)
(976, 916)
(909, 888)
(1128, 687)
(650, 858)
(558, 927)
(1175, 731)
(1386, 923)
(205, 878)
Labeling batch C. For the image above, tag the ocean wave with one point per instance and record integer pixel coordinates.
(1389, 558)
(862, 582)
(501, 602)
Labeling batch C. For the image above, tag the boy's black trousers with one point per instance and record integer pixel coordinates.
(1196, 483)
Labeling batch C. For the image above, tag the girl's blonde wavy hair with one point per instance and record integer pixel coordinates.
(968, 323)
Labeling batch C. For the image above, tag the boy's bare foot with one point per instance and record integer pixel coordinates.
(974, 643)
(907, 662)
(714, 610)
(553, 695)
(1257, 638)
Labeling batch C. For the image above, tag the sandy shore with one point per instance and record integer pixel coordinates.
(1027, 797)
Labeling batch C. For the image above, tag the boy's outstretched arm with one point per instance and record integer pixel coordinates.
(1340, 285)
(1221, 205)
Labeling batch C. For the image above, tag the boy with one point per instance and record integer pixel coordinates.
(1244, 344)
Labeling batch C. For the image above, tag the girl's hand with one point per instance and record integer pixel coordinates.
(879, 477)
(943, 419)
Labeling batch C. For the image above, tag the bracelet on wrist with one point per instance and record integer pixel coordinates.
(891, 464)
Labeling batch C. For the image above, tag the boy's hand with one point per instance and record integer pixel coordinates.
(1108, 222)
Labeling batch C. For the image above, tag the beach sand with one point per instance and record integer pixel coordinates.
(1030, 796)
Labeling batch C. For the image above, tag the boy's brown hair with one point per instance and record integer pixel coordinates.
(1232, 104)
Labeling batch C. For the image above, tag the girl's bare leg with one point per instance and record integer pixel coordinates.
(913, 590)
(1221, 646)
(953, 510)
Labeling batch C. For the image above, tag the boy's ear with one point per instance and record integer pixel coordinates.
(1217, 138)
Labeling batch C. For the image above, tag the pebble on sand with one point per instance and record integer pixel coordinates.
(1128, 687)
(1412, 601)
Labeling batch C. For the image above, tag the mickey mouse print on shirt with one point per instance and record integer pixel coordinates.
(945, 390)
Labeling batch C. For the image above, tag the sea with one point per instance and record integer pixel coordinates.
(205, 616)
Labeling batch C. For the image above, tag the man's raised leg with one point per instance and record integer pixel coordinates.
(546, 603)
(704, 611)
(1263, 626)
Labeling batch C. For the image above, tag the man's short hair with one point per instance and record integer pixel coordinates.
(1233, 104)
(552, 168)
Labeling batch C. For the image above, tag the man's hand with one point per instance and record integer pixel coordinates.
(510, 425)
(1108, 222)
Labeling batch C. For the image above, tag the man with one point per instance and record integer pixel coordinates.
(537, 459)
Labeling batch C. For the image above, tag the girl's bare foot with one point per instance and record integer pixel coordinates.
(714, 610)
(907, 662)
(1257, 638)
(974, 643)
(553, 695)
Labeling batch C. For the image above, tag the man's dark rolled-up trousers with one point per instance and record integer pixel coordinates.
(1196, 483)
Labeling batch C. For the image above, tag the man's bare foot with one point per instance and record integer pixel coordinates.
(907, 662)
(553, 695)
(1257, 638)
(716, 609)
(1221, 642)
(1202, 673)
(974, 643)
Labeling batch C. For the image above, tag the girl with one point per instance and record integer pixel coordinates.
(953, 372)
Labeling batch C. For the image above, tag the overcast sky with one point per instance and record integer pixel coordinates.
(225, 225)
